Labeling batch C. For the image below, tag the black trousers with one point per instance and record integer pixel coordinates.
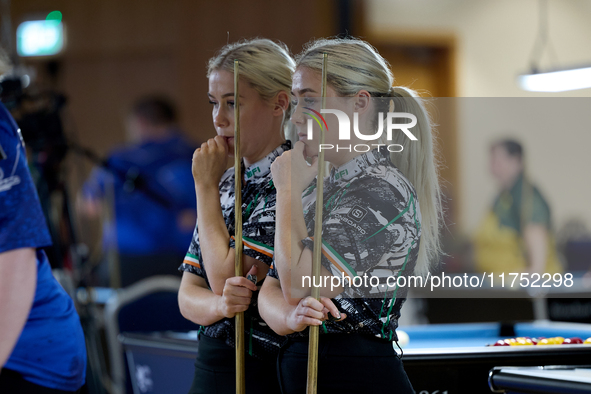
(215, 370)
(347, 363)
(12, 382)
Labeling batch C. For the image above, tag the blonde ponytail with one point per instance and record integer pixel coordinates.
(418, 164)
(4, 62)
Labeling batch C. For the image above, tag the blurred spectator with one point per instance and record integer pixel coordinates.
(516, 235)
(150, 185)
(42, 348)
(573, 242)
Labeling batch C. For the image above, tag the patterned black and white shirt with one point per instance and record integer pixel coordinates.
(258, 229)
(371, 226)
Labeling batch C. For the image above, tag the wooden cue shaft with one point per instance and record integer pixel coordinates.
(316, 265)
(238, 268)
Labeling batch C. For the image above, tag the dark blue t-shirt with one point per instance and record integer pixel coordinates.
(147, 211)
(51, 350)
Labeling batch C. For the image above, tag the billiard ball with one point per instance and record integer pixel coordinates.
(501, 342)
(587, 341)
(403, 338)
(572, 341)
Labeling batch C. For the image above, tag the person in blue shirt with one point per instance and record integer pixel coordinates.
(42, 347)
(150, 184)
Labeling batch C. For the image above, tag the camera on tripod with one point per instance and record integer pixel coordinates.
(39, 117)
(38, 114)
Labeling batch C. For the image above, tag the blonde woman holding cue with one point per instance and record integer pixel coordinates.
(210, 294)
(381, 218)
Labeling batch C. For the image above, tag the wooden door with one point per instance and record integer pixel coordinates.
(427, 64)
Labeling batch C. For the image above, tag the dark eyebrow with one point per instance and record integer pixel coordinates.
(306, 90)
(223, 96)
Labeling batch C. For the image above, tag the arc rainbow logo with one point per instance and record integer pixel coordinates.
(386, 124)
(317, 117)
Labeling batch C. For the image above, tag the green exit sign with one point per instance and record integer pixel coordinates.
(40, 38)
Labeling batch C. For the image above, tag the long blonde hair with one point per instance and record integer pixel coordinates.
(355, 65)
(4, 62)
(266, 65)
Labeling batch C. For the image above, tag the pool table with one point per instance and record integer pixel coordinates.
(543, 380)
(439, 358)
(454, 358)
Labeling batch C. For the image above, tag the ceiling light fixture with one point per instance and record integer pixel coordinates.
(556, 80)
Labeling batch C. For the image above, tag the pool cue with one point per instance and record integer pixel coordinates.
(238, 269)
(315, 330)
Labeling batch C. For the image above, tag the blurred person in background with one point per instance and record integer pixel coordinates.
(150, 185)
(42, 347)
(516, 234)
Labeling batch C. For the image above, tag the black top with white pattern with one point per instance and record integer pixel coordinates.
(371, 226)
(258, 229)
